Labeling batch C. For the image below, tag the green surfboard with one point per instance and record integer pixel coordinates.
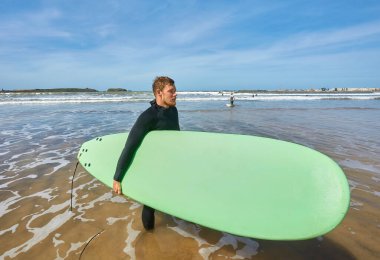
(244, 185)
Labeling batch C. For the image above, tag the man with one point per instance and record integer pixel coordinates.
(232, 99)
(162, 115)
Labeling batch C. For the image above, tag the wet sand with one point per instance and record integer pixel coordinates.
(36, 223)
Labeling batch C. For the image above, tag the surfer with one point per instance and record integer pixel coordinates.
(161, 115)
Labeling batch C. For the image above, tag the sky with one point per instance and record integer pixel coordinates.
(202, 45)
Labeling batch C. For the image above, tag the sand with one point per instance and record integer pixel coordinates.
(36, 222)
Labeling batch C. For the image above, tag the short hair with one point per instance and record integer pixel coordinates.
(160, 82)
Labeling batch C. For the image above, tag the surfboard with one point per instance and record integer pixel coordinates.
(230, 105)
(244, 185)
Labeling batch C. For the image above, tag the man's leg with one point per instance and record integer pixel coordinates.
(147, 217)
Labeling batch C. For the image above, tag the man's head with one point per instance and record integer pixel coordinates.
(165, 91)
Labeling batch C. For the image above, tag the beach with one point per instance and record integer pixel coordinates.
(41, 134)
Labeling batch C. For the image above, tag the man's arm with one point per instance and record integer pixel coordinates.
(135, 137)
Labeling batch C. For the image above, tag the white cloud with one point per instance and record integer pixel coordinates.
(195, 29)
(299, 45)
(343, 36)
(116, 53)
(23, 27)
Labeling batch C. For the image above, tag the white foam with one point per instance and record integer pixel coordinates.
(249, 249)
(187, 229)
(30, 176)
(11, 229)
(207, 93)
(135, 205)
(182, 95)
(119, 199)
(354, 185)
(56, 241)
(73, 247)
(112, 220)
(3, 177)
(132, 235)
(4, 153)
(40, 233)
(5, 204)
(354, 164)
(15, 164)
(46, 194)
(82, 207)
(67, 100)
(355, 204)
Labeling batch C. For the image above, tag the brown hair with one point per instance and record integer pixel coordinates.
(160, 82)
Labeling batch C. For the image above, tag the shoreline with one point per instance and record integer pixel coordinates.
(248, 91)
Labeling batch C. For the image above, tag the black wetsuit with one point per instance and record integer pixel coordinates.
(154, 118)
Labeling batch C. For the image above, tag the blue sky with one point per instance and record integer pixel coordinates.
(203, 45)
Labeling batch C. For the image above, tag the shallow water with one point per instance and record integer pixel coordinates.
(38, 145)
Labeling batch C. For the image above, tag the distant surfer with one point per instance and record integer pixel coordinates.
(161, 115)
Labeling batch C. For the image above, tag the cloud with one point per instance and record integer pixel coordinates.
(311, 41)
(131, 43)
(188, 33)
(297, 45)
(29, 25)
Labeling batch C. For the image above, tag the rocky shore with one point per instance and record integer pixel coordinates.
(62, 90)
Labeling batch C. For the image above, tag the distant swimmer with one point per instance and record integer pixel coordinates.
(232, 99)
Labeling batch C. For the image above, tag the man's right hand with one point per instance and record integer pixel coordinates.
(117, 187)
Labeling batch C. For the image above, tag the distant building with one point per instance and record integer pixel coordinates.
(357, 89)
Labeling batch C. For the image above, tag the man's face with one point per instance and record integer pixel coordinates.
(168, 96)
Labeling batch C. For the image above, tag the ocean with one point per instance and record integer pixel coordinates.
(40, 134)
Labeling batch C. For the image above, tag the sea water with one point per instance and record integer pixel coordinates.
(40, 134)
(341, 124)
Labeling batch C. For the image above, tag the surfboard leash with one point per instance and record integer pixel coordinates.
(71, 209)
(101, 231)
(72, 186)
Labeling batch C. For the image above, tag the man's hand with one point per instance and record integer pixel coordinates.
(117, 187)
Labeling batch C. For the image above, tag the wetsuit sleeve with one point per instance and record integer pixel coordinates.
(177, 120)
(142, 126)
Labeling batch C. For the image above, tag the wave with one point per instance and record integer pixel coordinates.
(37, 98)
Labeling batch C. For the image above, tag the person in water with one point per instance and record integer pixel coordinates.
(161, 115)
(232, 99)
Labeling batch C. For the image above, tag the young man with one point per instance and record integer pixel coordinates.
(162, 115)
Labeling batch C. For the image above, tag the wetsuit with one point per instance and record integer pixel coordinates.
(154, 118)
